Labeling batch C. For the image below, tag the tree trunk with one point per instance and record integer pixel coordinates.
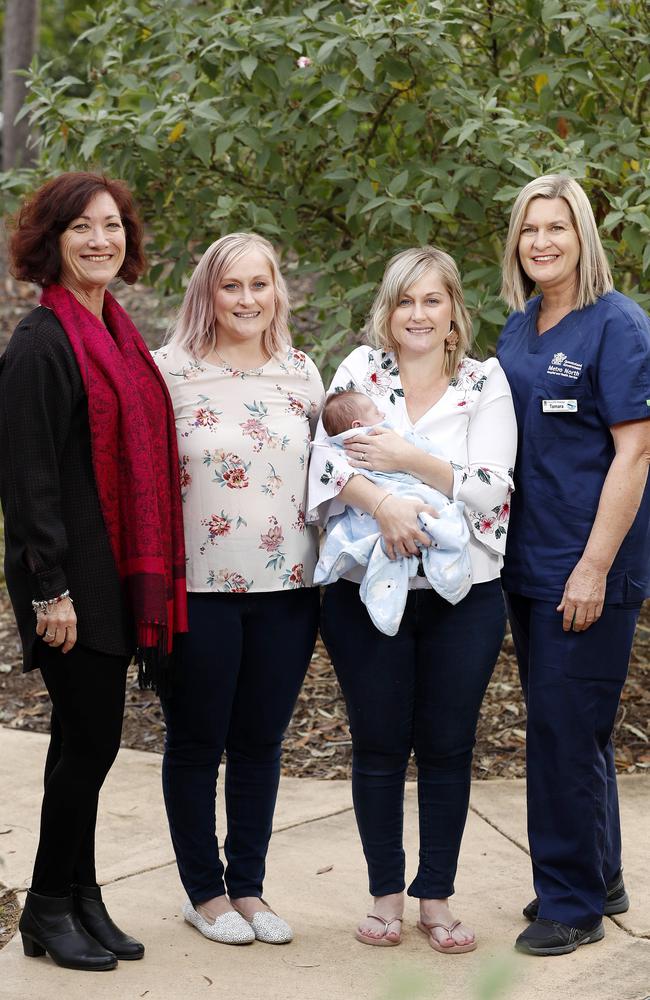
(20, 28)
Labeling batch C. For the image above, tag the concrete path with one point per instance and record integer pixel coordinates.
(315, 832)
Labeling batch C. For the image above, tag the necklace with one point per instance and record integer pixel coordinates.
(229, 367)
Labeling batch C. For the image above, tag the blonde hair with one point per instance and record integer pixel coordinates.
(402, 271)
(594, 275)
(195, 328)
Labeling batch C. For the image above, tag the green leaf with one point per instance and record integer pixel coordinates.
(422, 228)
(200, 142)
(399, 182)
(333, 103)
(248, 66)
(327, 48)
(646, 257)
(223, 143)
(146, 141)
(367, 63)
(612, 219)
(346, 126)
(375, 203)
(90, 143)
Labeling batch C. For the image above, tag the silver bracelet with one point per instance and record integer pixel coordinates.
(42, 607)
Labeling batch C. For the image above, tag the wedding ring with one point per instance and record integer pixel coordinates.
(50, 635)
(363, 456)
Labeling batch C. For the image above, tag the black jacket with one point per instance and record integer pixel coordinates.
(55, 537)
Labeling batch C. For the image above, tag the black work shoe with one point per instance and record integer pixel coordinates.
(94, 917)
(50, 924)
(617, 900)
(550, 937)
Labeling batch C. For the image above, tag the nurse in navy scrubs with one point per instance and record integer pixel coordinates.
(577, 356)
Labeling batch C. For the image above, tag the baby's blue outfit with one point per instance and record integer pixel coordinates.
(353, 539)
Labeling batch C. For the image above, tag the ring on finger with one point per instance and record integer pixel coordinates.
(50, 635)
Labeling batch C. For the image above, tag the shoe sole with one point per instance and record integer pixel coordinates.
(619, 905)
(456, 949)
(33, 949)
(596, 935)
(218, 940)
(381, 942)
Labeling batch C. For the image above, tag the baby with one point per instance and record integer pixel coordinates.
(345, 410)
(353, 538)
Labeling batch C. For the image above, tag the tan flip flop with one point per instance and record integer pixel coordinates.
(456, 949)
(382, 941)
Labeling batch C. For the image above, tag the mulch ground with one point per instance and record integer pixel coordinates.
(318, 741)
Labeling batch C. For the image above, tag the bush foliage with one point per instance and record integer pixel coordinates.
(347, 131)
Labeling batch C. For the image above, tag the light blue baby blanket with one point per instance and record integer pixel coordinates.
(353, 539)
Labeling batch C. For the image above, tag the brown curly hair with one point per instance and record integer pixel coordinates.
(36, 229)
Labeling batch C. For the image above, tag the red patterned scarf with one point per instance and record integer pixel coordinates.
(135, 459)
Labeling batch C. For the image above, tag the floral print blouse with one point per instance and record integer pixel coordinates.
(472, 426)
(243, 443)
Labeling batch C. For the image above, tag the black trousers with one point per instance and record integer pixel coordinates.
(87, 689)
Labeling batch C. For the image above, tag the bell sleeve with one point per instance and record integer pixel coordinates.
(484, 483)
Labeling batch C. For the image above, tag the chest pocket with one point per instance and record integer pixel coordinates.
(560, 426)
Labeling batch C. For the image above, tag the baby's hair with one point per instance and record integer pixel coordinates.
(340, 409)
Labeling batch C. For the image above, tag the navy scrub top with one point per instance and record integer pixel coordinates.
(569, 386)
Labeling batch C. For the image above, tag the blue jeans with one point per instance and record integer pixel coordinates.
(572, 683)
(240, 670)
(419, 690)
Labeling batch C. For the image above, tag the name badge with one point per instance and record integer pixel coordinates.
(559, 406)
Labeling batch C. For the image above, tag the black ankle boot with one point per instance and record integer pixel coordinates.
(94, 916)
(49, 924)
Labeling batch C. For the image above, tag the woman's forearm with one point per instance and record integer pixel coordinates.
(434, 472)
(360, 492)
(619, 502)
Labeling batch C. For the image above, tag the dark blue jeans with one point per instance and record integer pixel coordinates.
(419, 690)
(240, 670)
(572, 683)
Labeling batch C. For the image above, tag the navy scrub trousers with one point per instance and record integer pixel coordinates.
(572, 683)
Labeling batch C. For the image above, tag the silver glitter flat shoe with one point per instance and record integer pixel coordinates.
(229, 928)
(270, 928)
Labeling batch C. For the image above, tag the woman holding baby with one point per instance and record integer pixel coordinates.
(422, 688)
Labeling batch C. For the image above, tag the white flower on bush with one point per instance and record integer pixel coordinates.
(303, 62)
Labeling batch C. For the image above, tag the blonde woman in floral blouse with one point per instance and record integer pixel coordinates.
(245, 402)
(421, 689)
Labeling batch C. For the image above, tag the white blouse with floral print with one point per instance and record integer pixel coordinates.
(243, 446)
(472, 426)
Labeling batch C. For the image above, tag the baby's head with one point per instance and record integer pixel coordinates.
(345, 410)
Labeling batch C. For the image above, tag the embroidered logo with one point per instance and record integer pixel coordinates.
(560, 365)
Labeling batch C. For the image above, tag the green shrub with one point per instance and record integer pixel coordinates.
(412, 122)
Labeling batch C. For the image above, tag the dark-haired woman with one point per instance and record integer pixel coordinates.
(88, 484)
